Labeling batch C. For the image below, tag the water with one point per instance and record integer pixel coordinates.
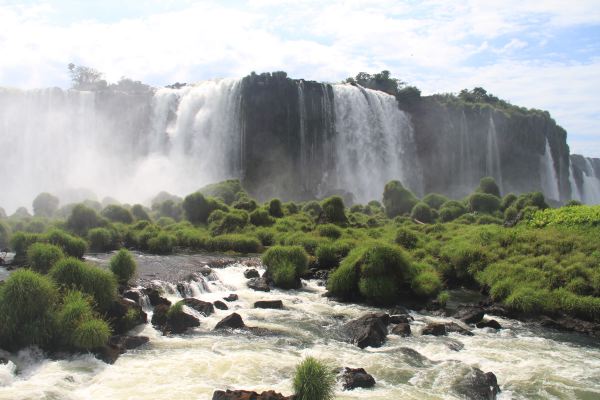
(591, 184)
(575, 192)
(548, 174)
(374, 143)
(492, 160)
(529, 363)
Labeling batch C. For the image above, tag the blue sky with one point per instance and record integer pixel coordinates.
(542, 54)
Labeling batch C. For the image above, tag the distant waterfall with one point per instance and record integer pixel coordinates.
(492, 161)
(374, 143)
(591, 184)
(548, 175)
(575, 192)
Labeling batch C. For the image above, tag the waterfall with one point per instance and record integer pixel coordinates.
(492, 161)
(303, 150)
(575, 192)
(549, 180)
(591, 184)
(374, 142)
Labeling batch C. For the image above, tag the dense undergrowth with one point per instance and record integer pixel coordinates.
(529, 257)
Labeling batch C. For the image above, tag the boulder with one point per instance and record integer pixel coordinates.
(205, 270)
(249, 395)
(275, 304)
(492, 323)
(251, 273)
(414, 358)
(443, 328)
(570, 324)
(120, 312)
(259, 284)
(220, 305)
(368, 330)
(154, 297)
(159, 316)
(454, 327)
(357, 378)
(401, 329)
(202, 307)
(231, 297)
(469, 314)
(117, 345)
(476, 385)
(180, 322)
(400, 319)
(132, 294)
(232, 321)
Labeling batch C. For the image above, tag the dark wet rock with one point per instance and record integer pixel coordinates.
(159, 315)
(232, 321)
(435, 329)
(259, 284)
(434, 305)
(274, 304)
(120, 312)
(477, 385)
(492, 323)
(400, 319)
(498, 310)
(454, 345)
(220, 305)
(357, 378)
(401, 329)
(155, 298)
(180, 322)
(399, 310)
(205, 270)
(569, 324)
(231, 297)
(117, 345)
(469, 314)
(368, 330)
(414, 358)
(202, 307)
(3, 361)
(454, 327)
(132, 294)
(249, 395)
(182, 290)
(251, 273)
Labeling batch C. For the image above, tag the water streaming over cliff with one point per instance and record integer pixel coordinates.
(492, 160)
(548, 173)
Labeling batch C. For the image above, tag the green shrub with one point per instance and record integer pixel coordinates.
(42, 256)
(533, 199)
(237, 243)
(465, 259)
(327, 255)
(427, 283)
(163, 243)
(71, 273)
(488, 185)
(451, 210)
(266, 236)
(435, 200)
(275, 209)
(221, 222)
(197, 207)
(71, 245)
(123, 266)
(397, 200)
(443, 298)
(169, 209)
(260, 217)
(313, 208)
(27, 302)
(330, 231)
(511, 213)
(116, 213)
(309, 242)
(4, 235)
(192, 239)
(406, 238)
(246, 204)
(573, 203)
(82, 219)
(91, 334)
(45, 205)
(286, 264)
(334, 210)
(75, 309)
(21, 241)
(227, 191)
(422, 212)
(139, 213)
(508, 201)
(291, 208)
(313, 380)
(484, 202)
(101, 239)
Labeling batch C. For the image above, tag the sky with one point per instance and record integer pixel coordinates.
(538, 54)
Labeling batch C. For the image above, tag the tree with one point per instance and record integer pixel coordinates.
(45, 205)
(86, 78)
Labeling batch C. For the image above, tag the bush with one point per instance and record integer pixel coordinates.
(508, 201)
(334, 210)
(197, 208)
(123, 266)
(116, 213)
(313, 380)
(71, 273)
(101, 239)
(227, 191)
(397, 200)
(422, 212)
(45, 205)
(488, 185)
(484, 202)
(91, 334)
(309, 242)
(266, 236)
(533, 199)
(169, 208)
(139, 213)
(260, 217)
(4, 235)
(275, 209)
(327, 256)
(82, 219)
(21, 241)
(406, 238)
(329, 230)
(237, 243)
(42, 256)
(286, 264)
(221, 222)
(427, 283)
(27, 301)
(162, 243)
(71, 245)
(246, 204)
(291, 208)
(511, 213)
(435, 200)
(76, 309)
(451, 210)
(312, 208)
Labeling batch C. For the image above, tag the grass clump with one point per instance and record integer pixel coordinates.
(123, 266)
(42, 256)
(334, 210)
(163, 243)
(101, 240)
(285, 265)
(313, 380)
(91, 334)
(397, 200)
(329, 230)
(237, 243)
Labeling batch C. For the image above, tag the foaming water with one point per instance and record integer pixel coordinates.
(549, 178)
(529, 364)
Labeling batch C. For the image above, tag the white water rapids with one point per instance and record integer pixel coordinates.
(529, 363)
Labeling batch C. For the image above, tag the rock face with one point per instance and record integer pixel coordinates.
(477, 385)
(368, 330)
(259, 284)
(232, 321)
(274, 304)
(357, 378)
(248, 395)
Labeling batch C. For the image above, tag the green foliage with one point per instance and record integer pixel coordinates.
(329, 230)
(237, 243)
(101, 240)
(76, 309)
(123, 266)
(91, 334)
(266, 236)
(21, 241)
(42, 256)
(384, 82)
(533, 199)
(508, 201)
(285, 264)
(139, 213)
(169, 209)
(313, 208)
(327, 255)
(82, 219)
(227, 191)
(435, 200)
(27, 301)
(197, 207)
(426, 283)
(307, 241)
(261, 217)
(451, 210)
(488, 185)
(5, 233)
(221, 222)
(397, 200)
(163, 243)
(275, 208)
(334, 210)
(313, 380)
(406, 238)
(484, 202)
(71, 245)
(422, 212)
(45, 205)
(566, 216)
(463, 258)
(116, 213)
